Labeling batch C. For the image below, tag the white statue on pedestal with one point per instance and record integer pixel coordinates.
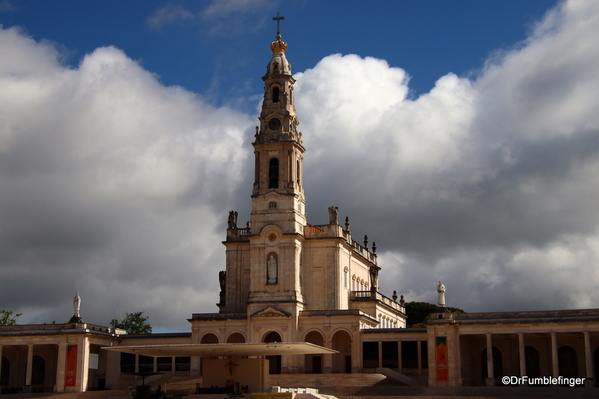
(441, 295)
(76, 305)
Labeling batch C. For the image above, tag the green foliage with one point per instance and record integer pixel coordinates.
(133, 323)
(7, 318)
(419, 312)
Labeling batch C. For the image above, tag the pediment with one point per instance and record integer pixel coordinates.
(271, 312)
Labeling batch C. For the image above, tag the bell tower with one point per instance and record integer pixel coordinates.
(278, 194)
(278, 219)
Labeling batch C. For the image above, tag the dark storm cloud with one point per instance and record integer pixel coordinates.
(112, 186)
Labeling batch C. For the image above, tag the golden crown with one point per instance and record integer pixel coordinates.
(278, 46)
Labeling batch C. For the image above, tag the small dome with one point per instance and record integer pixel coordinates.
(278, 65)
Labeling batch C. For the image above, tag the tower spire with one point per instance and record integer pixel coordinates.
(278, 18)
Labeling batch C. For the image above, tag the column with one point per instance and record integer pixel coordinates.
(155, 365)
(83, 365)
(380, 354)
(0, 359)
(399, 365)
(419, 346)
(195, 366)
(490, 373)
(61, 365)
(29, 365)
(554, 359)
(327, 360)
(521, 354)
(459, 357)
(588, 359)
(356, 352)
(136, 363)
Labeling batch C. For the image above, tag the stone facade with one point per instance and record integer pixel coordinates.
(285, 279)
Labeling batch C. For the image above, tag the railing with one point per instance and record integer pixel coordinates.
(368, 295)
(363, 251)
(238, 234)
(335, 230)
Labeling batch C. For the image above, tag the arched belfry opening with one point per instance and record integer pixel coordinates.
(275, 94)
(273, 173)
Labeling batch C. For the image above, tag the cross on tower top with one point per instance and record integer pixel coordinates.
(278, 18)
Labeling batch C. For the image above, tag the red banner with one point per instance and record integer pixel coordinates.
(71, 366)
(441, 352)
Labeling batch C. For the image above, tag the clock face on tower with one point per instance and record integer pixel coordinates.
(274, 124)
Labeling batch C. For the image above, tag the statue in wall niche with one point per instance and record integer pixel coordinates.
(77, 305)
(232, 220)
(441, 295)
(374, 277)
(271, 268)
(333, 215)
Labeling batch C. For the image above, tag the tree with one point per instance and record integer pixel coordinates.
(7, 318)
(133, 323)
(419, 312)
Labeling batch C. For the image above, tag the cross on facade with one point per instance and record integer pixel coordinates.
(278, 18)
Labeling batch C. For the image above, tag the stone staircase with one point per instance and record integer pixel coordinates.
(358, 384)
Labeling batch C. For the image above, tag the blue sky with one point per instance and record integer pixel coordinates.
(217, 50)
(461, 136)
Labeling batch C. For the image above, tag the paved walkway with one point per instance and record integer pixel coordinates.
(399, 393)
(484, 392)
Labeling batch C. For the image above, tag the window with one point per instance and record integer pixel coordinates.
(272, 205)
(275, 94)
(273, 173)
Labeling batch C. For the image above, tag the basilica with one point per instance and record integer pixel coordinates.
(298, 298)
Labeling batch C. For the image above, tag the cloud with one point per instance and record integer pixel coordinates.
(226, 8)
(234, 17)
(169, 14)
(113, 186)
(469, 181)
(7, 6)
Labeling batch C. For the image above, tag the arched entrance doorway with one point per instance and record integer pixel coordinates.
(497, 364)
(274, 361)
(313, 363)
(4, 373)
(341, 361)
(38, 371)
(568, 361)
(533, 367)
